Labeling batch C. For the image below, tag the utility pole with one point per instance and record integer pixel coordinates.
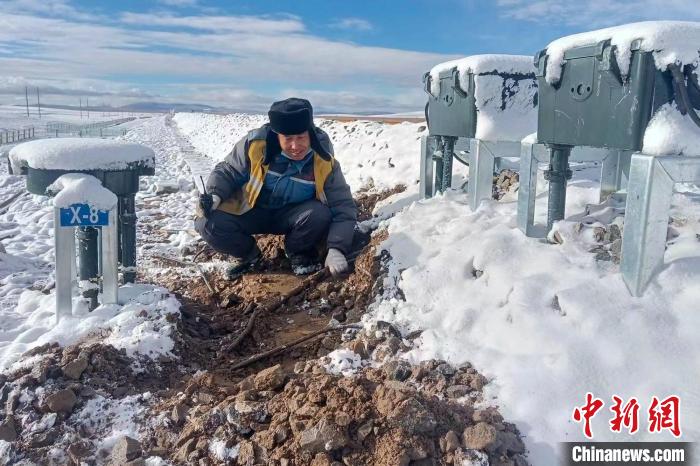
(26, 98)
(38, 102)
(87, 107)
(81, 108)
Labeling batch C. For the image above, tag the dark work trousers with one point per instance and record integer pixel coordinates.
(303, 225)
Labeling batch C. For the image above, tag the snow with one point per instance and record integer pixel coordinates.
(77, 188)
(372, 154)
(140, 326)
(80, 154)
(506, 107)
(516, 120)
(669, 41)
(343, 361)
(218, 448)
(670, 133)
(15, 117)
(215, 135)
(108, 419)
(546, 323)
(479, 64)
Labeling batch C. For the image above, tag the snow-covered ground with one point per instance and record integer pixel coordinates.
(546, 322)
(15, 117)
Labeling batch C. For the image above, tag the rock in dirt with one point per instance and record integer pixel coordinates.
(77, 451)
(450, 442)
(8, 430)
(126, 449)
(481, 436)
(179, 413)
(62, 401)
(458, 391)
(270, 379)
(74, 369)
(324, 436)
(411, 416)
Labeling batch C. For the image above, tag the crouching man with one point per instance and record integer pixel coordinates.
(280, 179)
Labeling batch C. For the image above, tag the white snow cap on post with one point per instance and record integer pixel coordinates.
(80, 154)
(669, 41)
(79, 188)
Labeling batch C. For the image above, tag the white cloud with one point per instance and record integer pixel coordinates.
(356, 24)
(598, 13)
(247, 24)
(179, 3)
(237, 52)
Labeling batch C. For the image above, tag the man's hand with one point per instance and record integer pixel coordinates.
(208, 203)
(336, 262)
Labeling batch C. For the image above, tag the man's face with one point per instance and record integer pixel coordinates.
(296, 146)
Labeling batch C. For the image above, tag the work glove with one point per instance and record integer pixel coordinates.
(208, 203)
(336, 262)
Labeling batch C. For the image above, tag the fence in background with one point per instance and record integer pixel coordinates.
(16, 135)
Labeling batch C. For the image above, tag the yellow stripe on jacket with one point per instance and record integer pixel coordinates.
(244, 199)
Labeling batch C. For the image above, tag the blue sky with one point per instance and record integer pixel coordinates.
(345, 56)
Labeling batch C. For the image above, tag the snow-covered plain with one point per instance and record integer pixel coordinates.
(547, 323)
(15, 117)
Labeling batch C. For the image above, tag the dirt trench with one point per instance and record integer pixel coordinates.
(362, 405)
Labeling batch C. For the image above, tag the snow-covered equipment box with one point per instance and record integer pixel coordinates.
(634, 90)
(489, 97)
(491, 100)
(117, 165)
(602, 88)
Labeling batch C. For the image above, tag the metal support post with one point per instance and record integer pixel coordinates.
(438, 158)
(427, 149)
(481, 165)
(557, 175)
(527, 193)
(127, 233)
(448, 149)
(88, 259)
(110, 270)
(64, 251)
(649, 194)
(614, 172)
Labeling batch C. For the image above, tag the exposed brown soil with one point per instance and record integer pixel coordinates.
(286, 409)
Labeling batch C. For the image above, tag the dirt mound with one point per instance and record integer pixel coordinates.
(396, 414)
(41, 399)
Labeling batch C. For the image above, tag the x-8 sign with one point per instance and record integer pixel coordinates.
(82, 215)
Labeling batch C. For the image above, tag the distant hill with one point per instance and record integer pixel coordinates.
(150, 107)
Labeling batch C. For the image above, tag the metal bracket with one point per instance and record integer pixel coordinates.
(649, 194)
(483, 156)
(612, 178)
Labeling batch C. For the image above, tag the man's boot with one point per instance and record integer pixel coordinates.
(241, 265)
(304, 263)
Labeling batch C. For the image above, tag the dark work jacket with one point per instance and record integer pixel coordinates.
(238, 180)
